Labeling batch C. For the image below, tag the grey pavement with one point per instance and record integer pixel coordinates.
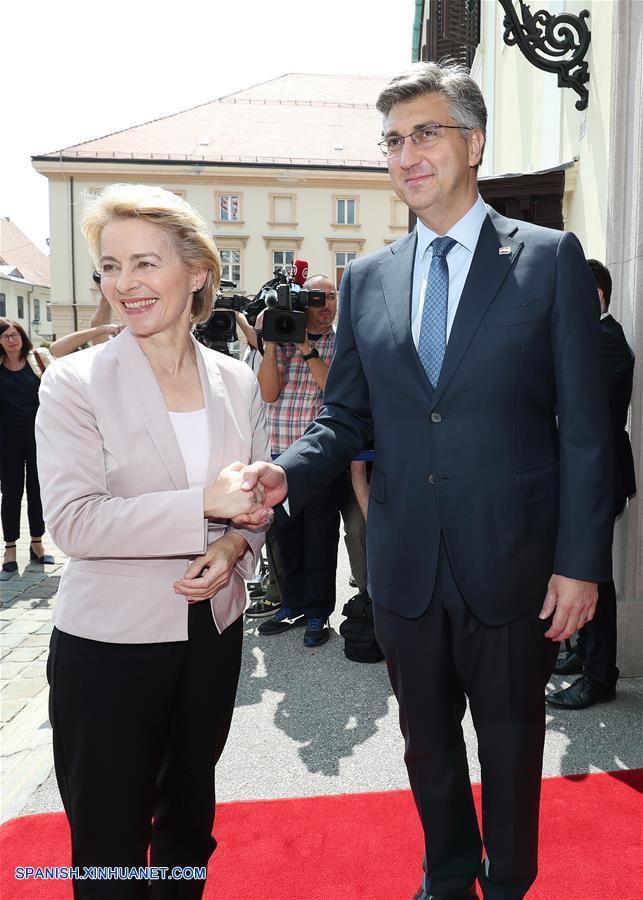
(307, 721)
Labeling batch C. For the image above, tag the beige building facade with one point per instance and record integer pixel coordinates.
(327, 201)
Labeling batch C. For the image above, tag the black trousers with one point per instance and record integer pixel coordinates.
(308, 552)
(137, 731)
(596, 642)
(435, 662)
(17, 456)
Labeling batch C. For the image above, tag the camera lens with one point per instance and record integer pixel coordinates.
(285, 326)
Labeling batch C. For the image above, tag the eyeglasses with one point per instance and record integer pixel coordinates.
(423, 137)
(9, 336)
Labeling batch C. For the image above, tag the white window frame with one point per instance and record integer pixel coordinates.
(221, 197)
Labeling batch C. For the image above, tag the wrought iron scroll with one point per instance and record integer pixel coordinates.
(553, 43)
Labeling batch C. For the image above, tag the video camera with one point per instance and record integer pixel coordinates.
(221, 328)
(285, 318)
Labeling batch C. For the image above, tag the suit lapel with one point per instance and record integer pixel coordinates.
(214, 398)
(489, 268)
(397, 284)
(147, 395)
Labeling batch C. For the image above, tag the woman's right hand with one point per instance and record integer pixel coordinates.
(224, 499)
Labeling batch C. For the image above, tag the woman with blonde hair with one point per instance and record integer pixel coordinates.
(146, 648)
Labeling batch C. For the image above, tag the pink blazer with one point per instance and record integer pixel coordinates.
(115, 492)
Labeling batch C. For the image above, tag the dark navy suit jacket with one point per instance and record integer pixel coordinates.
(619, 368)
(509, 458)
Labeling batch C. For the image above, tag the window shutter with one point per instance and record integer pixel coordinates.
(452, 30)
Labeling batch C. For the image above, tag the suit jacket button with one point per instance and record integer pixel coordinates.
(436, 417)
(431, 479)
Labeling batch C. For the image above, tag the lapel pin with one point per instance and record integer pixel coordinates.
(502, 251)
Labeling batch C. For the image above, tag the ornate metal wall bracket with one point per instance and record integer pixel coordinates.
(553, 43)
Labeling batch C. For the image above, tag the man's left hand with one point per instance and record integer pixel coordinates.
(304, 348)
(573, 603)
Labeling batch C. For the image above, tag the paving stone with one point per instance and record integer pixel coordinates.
(36, 669)
(23, 624)
(40, 614)
(11, 670)
(9, 613)
(45, 628)
(7, 641)
(34, 640)
(23, 654)
(21, 688)
(25, 772)
(10, 707)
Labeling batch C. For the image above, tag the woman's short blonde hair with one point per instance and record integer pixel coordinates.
(185, 227)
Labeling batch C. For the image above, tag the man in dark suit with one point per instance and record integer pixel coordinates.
(489, 524)
(595, 653)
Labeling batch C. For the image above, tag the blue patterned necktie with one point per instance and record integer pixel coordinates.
(433, 330)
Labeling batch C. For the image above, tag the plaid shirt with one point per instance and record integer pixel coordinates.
(301, 398)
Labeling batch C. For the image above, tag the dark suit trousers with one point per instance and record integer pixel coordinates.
(308, 552)
(137, 731)
(17, 462)
(596, 643)
(434, 663)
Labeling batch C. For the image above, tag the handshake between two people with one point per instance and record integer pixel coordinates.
(245, 494)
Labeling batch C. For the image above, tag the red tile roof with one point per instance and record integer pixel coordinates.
(17, 251)
(320, 120)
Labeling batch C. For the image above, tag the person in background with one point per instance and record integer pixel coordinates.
(21, 368)
(594, 656)
(78, 340)
(133, 436)
(292, 379)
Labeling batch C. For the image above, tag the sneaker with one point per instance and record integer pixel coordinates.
(317, 632)
(352, 581)
(263, 607)
(282, 621)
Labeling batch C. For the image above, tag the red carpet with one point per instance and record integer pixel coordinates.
(369, 845)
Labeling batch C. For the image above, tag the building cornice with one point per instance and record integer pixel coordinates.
(180, 172)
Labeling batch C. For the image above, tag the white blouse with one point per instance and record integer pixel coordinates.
(191, 430)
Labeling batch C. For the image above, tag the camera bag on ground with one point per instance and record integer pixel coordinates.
(358, 631)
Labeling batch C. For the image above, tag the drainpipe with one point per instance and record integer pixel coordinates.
(74, 307)
(418, 19)
(29, 293)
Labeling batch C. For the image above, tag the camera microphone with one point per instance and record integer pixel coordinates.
(300, 271)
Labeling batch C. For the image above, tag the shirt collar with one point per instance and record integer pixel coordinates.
(466, 231)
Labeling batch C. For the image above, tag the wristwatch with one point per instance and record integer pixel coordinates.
(312, 355)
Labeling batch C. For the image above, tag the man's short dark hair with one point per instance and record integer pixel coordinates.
(602, 278)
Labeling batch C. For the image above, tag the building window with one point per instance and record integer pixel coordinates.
(48, 312)
(36, 311)
(282, 209)
(453, 30)
(346, 209)
(281, 258)
(21, 307)
(231, 265)
(399, 214)
(3, 305)
(229, 208)
(342, 259)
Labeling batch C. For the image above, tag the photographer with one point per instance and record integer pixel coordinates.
(292, 379)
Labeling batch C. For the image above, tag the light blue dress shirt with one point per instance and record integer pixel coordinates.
(466, 232)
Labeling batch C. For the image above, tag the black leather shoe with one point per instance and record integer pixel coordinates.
(582, 693)
(471, 894)
(569, 664)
